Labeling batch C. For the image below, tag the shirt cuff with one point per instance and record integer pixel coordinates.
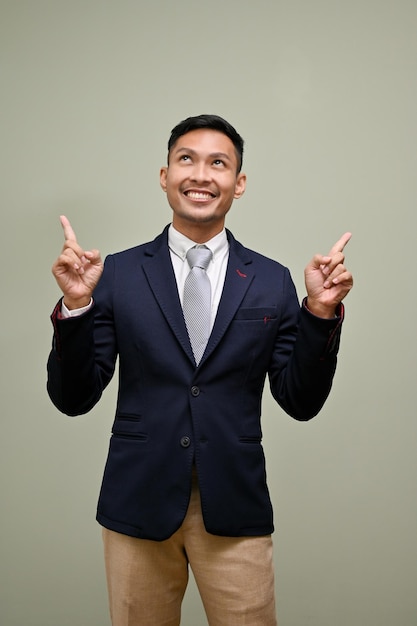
(65, 312)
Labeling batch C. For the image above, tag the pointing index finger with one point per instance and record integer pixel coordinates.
(68, 231)
(339, 245)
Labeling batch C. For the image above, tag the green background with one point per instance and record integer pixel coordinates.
(324, 93)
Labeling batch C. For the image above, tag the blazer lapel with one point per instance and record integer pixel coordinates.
(161, 278)
(239, 276)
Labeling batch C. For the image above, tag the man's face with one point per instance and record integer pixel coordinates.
(201, 182)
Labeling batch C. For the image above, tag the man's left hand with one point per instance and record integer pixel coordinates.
(327, 280)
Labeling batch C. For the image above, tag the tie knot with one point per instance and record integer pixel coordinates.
(199, 256)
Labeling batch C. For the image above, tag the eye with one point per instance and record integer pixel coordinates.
(218, 162)
(185, 157)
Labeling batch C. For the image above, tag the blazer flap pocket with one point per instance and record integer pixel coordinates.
(127, 424)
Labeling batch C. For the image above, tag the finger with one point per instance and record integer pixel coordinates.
(320, 261)
(336, 270)
(344, 277)
(71, 246)
(68, 231)
(93, 256)
(334, 262)
(339, 245)
(69, 260)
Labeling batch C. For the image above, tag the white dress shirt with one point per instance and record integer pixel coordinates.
(179, 245)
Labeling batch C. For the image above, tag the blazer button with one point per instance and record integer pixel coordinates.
(195, 391)
(185, 442)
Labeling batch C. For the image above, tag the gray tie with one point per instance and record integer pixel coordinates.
(197, 300)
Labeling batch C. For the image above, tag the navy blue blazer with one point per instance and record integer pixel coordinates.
(171, 414)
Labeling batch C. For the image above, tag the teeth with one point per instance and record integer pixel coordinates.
(198, 195)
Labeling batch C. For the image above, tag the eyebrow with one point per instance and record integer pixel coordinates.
(213, 155)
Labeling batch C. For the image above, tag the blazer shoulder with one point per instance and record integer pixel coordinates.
(252, 256)
(142, 250)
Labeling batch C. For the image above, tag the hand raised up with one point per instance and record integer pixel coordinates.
(76, 271)
(327, 280)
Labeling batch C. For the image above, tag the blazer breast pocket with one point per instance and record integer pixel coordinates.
(256, 314)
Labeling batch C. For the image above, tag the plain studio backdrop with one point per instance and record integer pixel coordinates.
(325, 94)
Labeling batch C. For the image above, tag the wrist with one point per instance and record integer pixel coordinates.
(76, 303)
(320, 310)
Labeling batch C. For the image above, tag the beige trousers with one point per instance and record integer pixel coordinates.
(147, 579)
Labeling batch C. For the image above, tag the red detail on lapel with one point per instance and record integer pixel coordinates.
(240, 274)
(267, 318)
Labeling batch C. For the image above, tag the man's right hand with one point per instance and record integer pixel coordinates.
(76, 271)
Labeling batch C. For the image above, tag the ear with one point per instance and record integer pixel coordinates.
(163, 178)
(240, 185)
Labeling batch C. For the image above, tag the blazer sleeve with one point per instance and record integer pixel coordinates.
(84, 352)
(304, 359)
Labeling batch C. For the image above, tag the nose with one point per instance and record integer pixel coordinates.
(200, 173)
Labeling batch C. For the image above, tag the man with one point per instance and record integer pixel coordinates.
(185, 480)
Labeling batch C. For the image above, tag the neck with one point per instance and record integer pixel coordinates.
(199, 233)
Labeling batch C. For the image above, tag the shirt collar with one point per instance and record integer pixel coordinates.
(179, 244)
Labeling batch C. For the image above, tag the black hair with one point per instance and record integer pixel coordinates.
(213, 122)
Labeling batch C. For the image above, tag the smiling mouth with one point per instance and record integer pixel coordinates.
(199, 196)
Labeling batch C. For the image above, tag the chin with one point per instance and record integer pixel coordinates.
(200, 214)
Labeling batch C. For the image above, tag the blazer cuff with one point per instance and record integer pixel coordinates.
(65, 325)
(329, 328)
